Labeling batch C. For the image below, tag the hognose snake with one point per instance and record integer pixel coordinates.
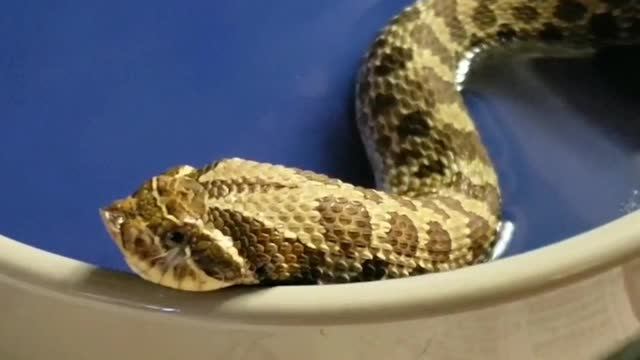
(438, 206)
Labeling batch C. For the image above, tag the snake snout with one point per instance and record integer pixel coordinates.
(111, 221)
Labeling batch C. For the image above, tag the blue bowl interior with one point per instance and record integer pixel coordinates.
(98, 96)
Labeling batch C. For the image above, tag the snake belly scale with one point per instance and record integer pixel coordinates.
(438, 202)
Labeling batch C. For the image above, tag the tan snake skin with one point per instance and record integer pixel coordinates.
(439, 205)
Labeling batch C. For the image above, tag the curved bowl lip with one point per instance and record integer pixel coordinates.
(488, 284)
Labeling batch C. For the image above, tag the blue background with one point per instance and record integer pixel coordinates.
(95, 97)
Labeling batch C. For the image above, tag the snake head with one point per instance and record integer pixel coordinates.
(165, 236)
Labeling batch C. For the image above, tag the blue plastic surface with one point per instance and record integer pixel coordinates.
(95, 97)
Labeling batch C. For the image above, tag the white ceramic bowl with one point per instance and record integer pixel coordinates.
(576, 299)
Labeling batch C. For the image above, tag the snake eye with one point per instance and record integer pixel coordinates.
(176, 237)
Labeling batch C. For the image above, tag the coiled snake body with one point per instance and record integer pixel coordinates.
(438, 206)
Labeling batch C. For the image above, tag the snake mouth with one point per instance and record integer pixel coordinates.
(171, 268)
(174, 272)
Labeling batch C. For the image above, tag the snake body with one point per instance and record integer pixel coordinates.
(438, 202)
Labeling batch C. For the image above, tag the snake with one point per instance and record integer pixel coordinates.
(436, 205)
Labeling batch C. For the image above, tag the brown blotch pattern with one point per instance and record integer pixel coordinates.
(475, 41)
(310, 263)
(377, 46)
(466, 145)
(374, 269)
(525, 13)
(479, 228)
(429, 168)
(403, 235)
(486, 193)
(506, 33)
(483, 16)
(405, 156)
(439, 243)
(415, 123)
(347, 223)
(382, 104)
(348, 232)
(570, 11)
(271, 255)
(249, 235)
(394, 59)
(216, 263)
(383, 142)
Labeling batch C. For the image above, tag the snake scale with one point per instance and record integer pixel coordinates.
(437, 206)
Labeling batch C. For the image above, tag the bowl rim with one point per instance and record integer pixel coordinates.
(552, 266)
